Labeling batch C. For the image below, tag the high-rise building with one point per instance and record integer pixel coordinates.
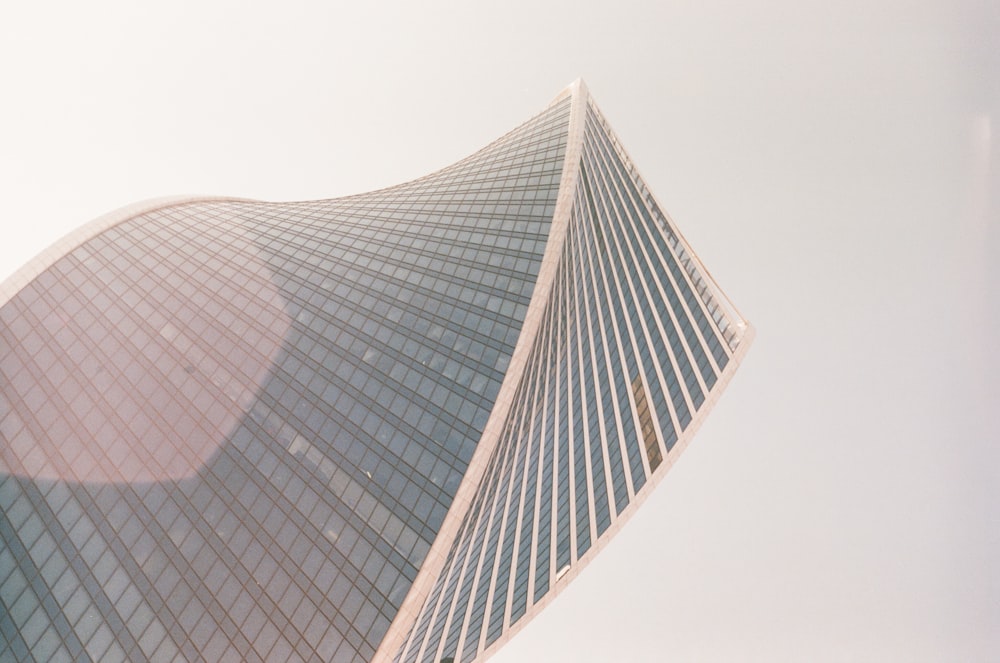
(383, 427)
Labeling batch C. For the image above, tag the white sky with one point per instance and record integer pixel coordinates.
(834, 164)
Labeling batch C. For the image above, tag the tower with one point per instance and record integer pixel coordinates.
(389, 426)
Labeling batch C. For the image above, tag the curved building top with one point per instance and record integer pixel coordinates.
(382, 427)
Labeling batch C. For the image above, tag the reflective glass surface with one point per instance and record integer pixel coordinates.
(630, 345)
(232, 430)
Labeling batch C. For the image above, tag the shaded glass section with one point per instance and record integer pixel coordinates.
(232, 430)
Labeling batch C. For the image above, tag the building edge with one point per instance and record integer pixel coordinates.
(437, 556)
(664, 217)
(742, 339)
(75, 238)
(683, 440)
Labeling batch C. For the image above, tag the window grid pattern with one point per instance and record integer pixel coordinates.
(231, 430)
(631, 344)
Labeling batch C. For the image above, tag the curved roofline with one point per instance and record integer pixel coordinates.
(72, 240)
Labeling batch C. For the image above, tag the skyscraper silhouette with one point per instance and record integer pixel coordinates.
(391, 425)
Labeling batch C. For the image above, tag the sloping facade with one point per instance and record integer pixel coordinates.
(627, 346)
(382, 427)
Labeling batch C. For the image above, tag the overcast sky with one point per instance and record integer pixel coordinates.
(835, 165)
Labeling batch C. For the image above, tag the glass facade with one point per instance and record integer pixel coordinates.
(631, 345)
(233, 430)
